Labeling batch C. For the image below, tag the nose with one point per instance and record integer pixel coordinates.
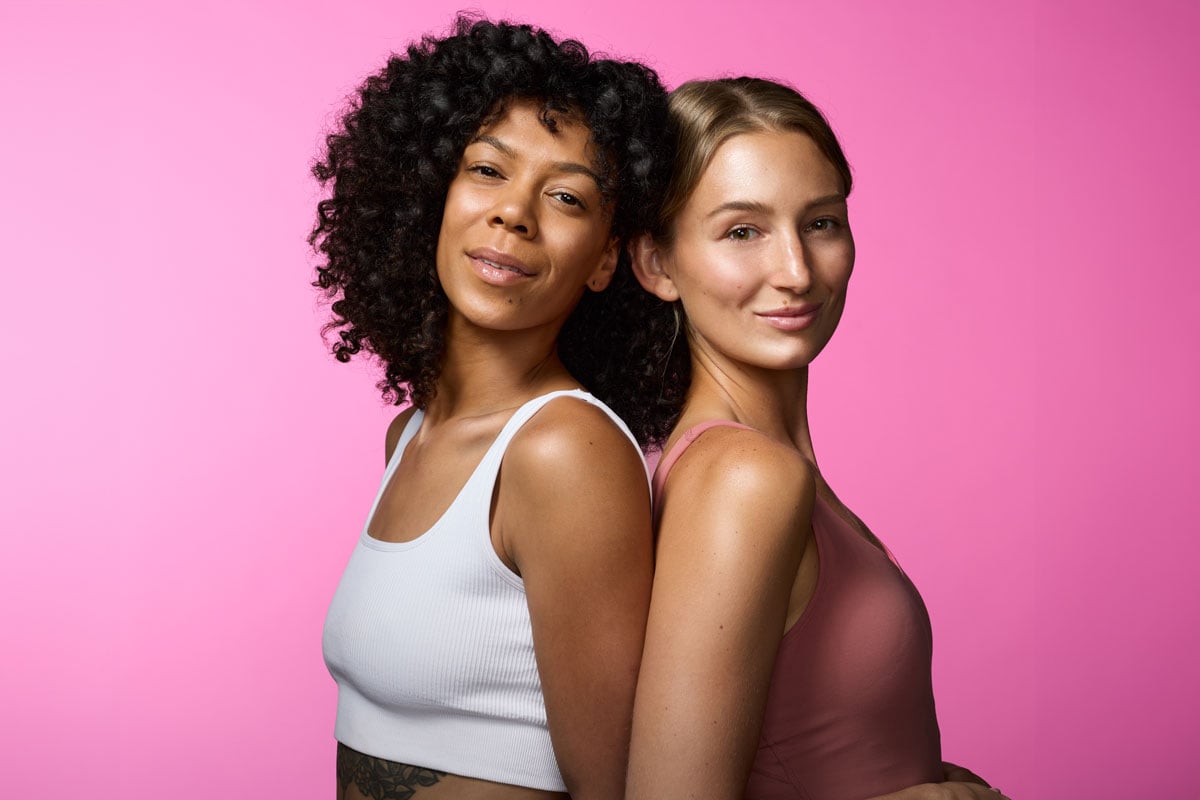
(514, 211)
(792, 271)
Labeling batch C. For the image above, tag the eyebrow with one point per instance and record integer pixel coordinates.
(755, 207)
(569, 167)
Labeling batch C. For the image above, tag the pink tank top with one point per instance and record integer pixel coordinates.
(850, 709)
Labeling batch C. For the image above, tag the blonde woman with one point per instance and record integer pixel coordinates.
(787, 655)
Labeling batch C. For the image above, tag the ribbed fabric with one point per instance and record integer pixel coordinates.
(850, 710)
(430, 640)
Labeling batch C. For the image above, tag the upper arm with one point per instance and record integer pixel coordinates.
(574, 516)
(730, 541)
(395, 428)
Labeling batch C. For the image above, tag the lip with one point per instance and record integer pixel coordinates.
(790, 318)
(496, 268)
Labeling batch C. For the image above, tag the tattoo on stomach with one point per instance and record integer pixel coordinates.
(380, 779)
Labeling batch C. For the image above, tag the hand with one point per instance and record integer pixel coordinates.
(974, 789)
(950, 790)
(953, 772)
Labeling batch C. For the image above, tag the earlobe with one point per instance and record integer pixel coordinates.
(607, 268)
(648, 260)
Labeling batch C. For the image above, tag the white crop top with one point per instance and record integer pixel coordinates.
(430, 640)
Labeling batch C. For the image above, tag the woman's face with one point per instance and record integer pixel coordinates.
(524, 228)
(763, 251)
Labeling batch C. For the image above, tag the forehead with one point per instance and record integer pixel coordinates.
(530, 126)
(767, 165)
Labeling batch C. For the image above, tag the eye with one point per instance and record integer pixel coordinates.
(567, 199)
(824, 224)
(484, 170)
(742, 233)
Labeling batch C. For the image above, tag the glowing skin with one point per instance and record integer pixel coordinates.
(761, 256)
(762, 252)
(524, 230)
(525, 227)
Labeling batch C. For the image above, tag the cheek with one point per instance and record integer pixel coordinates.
(836, 265)
(461, 210)
(450, 215)
(445, 240)
(465, 204)
(579, 248)
(722, 280)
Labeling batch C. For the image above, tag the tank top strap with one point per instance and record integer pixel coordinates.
(526, 412)
(685, 441)
(531, 407)
(410, 430)
(406, 434)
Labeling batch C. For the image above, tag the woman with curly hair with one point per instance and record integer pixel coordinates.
(486, 634)
(787, 655)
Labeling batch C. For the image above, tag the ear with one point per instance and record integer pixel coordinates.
(603, 274)
(649, 262)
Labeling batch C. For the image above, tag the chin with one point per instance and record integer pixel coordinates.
(790, 365)
(783, 359)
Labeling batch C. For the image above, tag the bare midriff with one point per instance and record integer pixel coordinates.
(363, 777)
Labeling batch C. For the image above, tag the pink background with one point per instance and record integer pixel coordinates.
(1010, 402)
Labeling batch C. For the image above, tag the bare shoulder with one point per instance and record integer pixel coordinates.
(570, 439)
(395, 428)
(739, 465)
(739, 497)
(570, 469)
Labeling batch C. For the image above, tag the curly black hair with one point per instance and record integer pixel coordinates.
(391, 161)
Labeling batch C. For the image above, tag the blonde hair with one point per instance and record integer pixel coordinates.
(705, 114)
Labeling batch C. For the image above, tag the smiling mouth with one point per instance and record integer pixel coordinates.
(791, 311)
(793, 318)
(498, 269)
(505, 267)
(495, 261)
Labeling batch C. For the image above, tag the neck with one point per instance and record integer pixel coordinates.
(487, 371)
(772, 401)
